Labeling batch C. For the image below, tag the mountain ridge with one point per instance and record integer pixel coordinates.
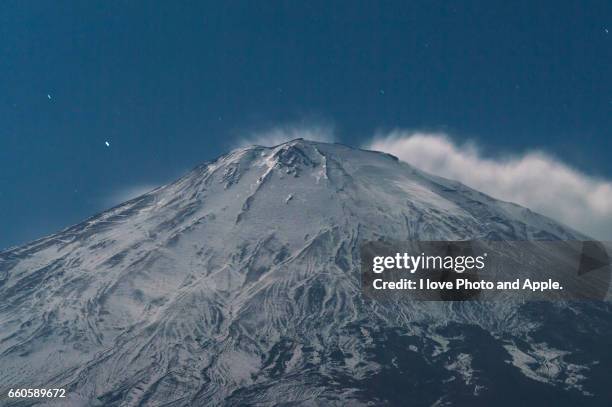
(289, 143)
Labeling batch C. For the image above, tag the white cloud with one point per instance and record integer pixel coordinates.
(535, 179)
(281, 134)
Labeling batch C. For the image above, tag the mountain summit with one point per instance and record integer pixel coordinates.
(239, 284)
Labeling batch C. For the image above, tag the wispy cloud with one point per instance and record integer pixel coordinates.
(283, 133)
(127, 193)
(535, 180)
(272, 136)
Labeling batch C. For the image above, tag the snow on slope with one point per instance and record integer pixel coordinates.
(239, 284)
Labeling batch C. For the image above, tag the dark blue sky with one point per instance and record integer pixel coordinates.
(173, 85)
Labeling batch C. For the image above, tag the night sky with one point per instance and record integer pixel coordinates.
(171, 85)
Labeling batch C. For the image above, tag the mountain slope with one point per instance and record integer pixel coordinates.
(239, 284)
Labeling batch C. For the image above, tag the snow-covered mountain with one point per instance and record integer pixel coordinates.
(239, 284)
